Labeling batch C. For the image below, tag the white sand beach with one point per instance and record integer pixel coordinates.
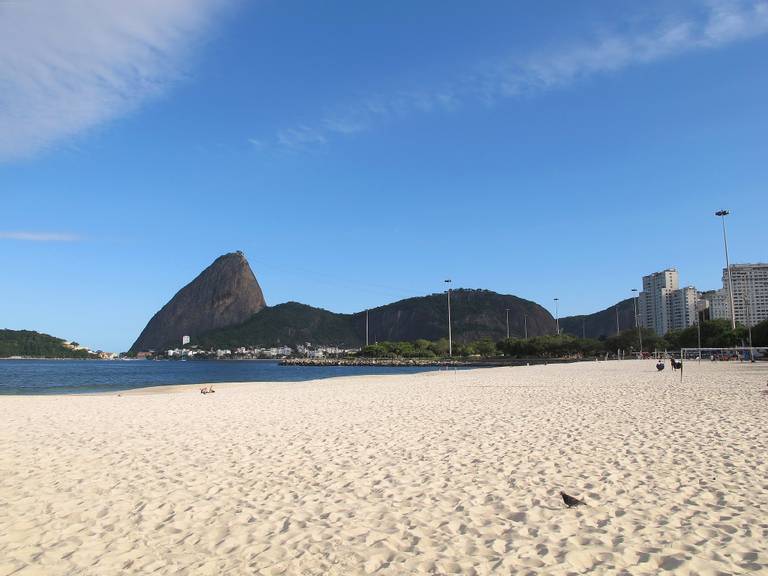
(434, 473)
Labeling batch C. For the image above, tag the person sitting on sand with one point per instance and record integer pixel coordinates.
(210, 389)
(204, 390)
(660, 365)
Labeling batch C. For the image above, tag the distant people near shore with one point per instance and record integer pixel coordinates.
(207, 389)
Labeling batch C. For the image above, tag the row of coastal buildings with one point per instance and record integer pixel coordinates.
(306, 350)
(664, 306)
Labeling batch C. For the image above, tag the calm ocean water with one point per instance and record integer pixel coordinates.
(82, 376)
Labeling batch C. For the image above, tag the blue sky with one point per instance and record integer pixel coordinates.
(361, 152)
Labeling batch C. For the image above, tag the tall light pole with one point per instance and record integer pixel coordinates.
(507, 310)
(637, 321)
(749, 327)
(698, 330)
(723, 214)
(525, 325)
(450, 344)
(557, 316)
(617, 320)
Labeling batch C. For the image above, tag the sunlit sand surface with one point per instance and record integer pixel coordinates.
(434, 473)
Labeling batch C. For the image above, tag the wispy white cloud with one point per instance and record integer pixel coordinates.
(723, 22)
(39, 236)
(719, 23)
(70, 65)
(301, 136)
(363, 115)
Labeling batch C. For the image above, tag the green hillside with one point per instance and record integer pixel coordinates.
(286, 324)
(36, 345)
(602, 324)
(476, 314)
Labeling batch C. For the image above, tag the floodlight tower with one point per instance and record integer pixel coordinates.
(637, 322)
(723, 214)
(525, 325)
(450, 345)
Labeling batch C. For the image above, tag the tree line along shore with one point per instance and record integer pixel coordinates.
(711, 334)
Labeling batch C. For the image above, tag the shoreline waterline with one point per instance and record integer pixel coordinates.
(77, 377)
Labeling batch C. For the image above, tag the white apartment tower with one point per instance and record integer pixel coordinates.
(684, 307)
(664, 306)
(750, 294)
(718, 304)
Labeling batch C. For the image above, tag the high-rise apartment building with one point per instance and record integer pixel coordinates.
(684, 307)
(716, 305)
(664, 306)
(750, 294)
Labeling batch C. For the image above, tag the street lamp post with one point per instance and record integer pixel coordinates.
(450, 344)
(557, 316)
(723, 214)
(637, 322)
(698, 330)
(525, 325)
(749, 328)
(507, 310)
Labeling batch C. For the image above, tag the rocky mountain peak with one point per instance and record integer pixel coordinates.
(225, 293)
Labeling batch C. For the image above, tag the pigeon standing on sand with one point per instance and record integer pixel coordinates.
(570, 501)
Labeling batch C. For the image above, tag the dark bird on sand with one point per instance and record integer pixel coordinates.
(571, 502)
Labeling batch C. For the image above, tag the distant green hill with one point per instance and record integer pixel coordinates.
(36, 345)
(602, 324)
(286, 324)
(476, 314)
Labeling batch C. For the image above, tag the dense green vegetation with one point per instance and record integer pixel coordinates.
(539, 346)
(714, 334)
(718, 333)
(425, 349)
(36, 345)
(760, 334)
